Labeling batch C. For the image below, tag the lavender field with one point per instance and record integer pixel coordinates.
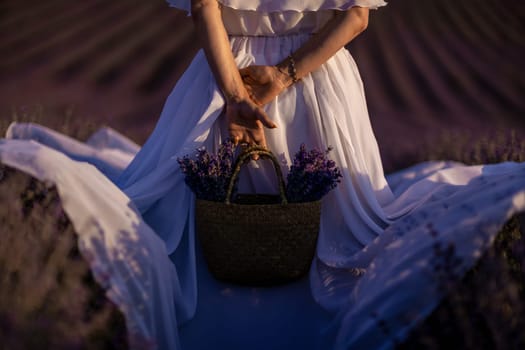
(444, 80)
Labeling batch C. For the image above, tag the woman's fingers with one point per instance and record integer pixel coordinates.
(256, 75)
(245, 71)
(249, 138)
(250, 71)
(265, 119)
(258, 139)
(249, 76)
(235, 139)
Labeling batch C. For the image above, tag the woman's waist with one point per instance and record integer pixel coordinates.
(269, 49)
(252, 23)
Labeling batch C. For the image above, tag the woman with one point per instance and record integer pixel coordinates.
(273, 73)
(297, 85)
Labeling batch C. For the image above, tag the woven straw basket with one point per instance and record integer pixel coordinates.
(261, 241)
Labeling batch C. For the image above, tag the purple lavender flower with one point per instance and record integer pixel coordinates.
(312, 175)
(208, 175)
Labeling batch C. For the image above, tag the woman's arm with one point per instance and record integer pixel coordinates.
(264, 83)
(245, 119)
(339, 31)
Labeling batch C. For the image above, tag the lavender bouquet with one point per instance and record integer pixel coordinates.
(208, 175)
(311, 176)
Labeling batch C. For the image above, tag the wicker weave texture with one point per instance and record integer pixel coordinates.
(258, 244)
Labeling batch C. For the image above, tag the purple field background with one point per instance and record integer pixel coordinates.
(430, 67)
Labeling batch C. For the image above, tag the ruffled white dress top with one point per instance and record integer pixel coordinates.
(260, 18)
(266, 6)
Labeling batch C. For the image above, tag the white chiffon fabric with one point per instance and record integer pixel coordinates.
(374, 258)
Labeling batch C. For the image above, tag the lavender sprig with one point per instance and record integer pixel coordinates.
(312, 175)
(208, 175)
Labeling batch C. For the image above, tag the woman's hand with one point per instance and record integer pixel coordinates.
(264, 83)
(246, 121)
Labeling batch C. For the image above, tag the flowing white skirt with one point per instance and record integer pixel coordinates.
(375, 251)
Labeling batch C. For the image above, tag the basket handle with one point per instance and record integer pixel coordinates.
(263, 153)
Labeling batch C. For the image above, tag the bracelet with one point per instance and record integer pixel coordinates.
(292, 71)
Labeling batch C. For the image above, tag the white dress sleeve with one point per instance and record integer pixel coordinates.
(286, 5)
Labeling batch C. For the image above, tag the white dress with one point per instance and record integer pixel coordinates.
(375, 252)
